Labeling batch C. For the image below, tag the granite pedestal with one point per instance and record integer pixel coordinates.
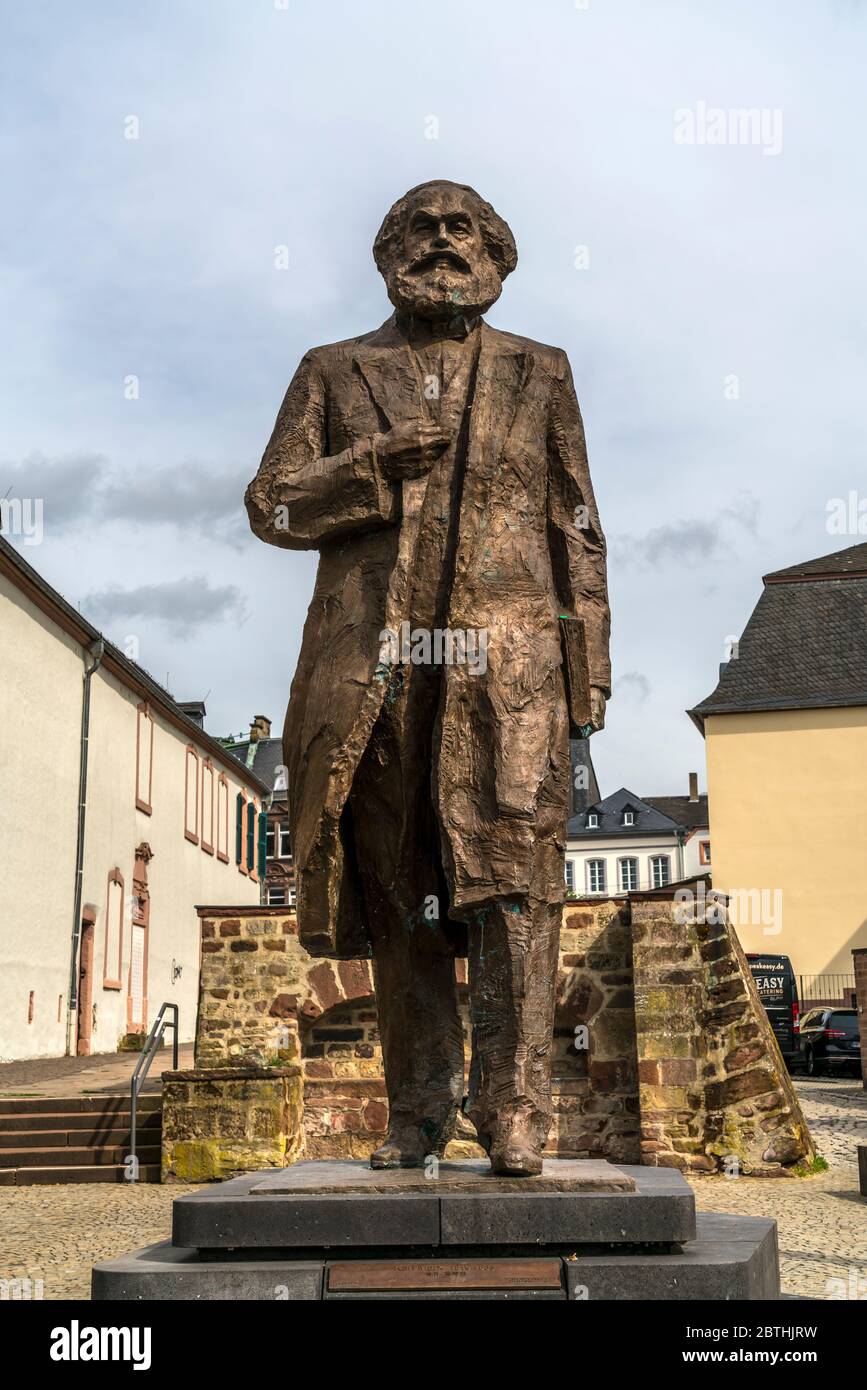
(339, 1230)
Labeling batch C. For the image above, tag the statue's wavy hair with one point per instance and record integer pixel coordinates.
(496, 233)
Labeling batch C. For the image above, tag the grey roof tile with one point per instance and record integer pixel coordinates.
(805, 645)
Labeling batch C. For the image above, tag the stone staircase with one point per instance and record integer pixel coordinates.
(79, 1139)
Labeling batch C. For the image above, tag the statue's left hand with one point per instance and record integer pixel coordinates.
(597, 708)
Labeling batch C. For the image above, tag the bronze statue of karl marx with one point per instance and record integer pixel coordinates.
(439, 467)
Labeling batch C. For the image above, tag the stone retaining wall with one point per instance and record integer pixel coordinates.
(662, 1052)
(715, 1092)
(217, 1123)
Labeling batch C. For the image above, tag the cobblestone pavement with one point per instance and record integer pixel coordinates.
(56, 1233)
(821, 1220)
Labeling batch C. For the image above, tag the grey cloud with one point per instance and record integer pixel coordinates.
(78, 489)
(67, 485)
(691, 541)
(687, 542)
(632, 685)
(184, 605)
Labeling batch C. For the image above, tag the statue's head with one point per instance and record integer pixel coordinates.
(443, 251)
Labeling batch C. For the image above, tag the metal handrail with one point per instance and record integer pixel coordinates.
(153, 1043)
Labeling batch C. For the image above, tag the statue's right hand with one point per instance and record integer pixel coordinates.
(409, 449)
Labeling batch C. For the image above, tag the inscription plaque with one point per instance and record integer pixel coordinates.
(375, 1275)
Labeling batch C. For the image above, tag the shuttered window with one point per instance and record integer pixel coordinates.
(239, 829)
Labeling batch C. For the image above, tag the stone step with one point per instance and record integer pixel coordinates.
(55, 1105)
(730, 1258)
(261, 1211)
(74, 1158)
(115, 1172)
(59, 1138)
(86, 1120)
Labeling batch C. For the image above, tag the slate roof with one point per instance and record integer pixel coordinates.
(805, 646)
(648, 820)
(263, 757)
(691, 815)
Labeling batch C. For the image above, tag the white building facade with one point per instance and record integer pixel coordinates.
(624, 844)
(98, 923)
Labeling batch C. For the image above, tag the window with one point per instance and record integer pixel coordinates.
(285, 843)
(269, 842)
(570, 875)
(136, 994)
(191, 796)
(252, 842)
(628, 817)
(596, 875)
(240, 824)
(250, 839)
(704, 851)
(144, 758)
(223, 819)
(113, 955)
(291, 897)
(208, 806)
(660, 870)
(628, 875)
(277, 896)
(843, 1022)
(592, 820)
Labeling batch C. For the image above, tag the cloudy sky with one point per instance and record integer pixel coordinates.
(711, 296)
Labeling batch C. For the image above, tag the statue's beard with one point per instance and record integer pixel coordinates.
(444, 291)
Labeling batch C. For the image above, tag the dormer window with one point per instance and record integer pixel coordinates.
(628, 817)
(592, 820)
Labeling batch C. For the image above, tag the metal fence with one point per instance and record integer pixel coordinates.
(837, 991)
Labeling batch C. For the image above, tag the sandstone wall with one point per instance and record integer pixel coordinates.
(662, 1051)
(715, 1092)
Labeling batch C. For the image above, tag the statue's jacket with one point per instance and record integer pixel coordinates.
(529, 548)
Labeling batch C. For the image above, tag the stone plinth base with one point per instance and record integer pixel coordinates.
(466, 1175)
(429, 1238)
(221, 1122)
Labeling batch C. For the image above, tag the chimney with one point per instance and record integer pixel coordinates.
(195, 710)
(693, 786)
(260, 728)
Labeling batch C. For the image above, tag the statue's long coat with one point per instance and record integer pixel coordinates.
(530, 547)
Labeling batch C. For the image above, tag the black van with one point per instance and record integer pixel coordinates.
(778, 991)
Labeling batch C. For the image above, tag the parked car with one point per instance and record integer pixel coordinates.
(830, 1040)
(778, 992)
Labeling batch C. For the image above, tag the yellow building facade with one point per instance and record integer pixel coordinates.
(786, 790)
(786, 744)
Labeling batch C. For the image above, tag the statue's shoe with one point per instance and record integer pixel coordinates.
(401, 1151)
(515, 1150)
(516, 1159)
